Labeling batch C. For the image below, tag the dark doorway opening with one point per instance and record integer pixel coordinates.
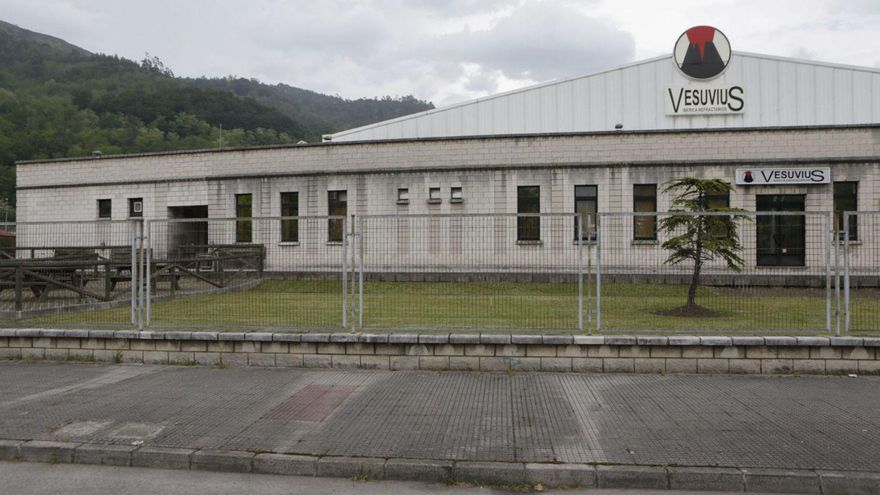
(781, 239)
(182, 234)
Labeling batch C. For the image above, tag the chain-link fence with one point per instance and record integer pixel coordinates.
(56, 273)
(247, 272)
(729, 272)
(471, 271)
(532, 272)
(861, 240)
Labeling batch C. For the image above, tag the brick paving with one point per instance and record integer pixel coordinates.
(694, 420)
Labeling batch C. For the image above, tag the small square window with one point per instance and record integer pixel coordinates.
(403, 196)
(104, 208)
(455, 195)
(434, 195)
(135, 207)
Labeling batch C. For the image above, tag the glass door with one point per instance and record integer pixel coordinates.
(781, 239)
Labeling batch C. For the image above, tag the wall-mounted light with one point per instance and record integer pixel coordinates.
(618, 126)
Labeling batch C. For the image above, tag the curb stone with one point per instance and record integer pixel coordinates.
(162, 458)
(502, 473)
(222, 460)
(51, 452)
(781, 481)
(562, 475)
(351, 467)
(291, 465)
(632, 477)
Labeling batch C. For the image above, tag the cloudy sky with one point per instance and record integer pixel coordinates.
(440, 50)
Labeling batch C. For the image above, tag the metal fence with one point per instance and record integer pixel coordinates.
(781, 282)
(79, 273)
(535, 272)
(252, 272)
(861, 260)
(470, 271)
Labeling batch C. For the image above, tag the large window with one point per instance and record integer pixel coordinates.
(104, 208)
(528, 200)
(289, 208)
(244, 208)
(337, 206)
(586, 205)
(644, 200)
(846, 199)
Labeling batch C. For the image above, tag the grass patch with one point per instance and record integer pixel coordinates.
(500, 305)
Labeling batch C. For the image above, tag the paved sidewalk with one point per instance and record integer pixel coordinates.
(813, 423)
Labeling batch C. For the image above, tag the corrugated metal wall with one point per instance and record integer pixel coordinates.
(778, 92)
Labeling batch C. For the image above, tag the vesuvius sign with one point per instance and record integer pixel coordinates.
(779, 176)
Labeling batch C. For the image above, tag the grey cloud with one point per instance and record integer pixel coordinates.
(541, 41)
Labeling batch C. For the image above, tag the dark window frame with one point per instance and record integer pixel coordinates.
(431, 198)
(336, 208)
(403, 195)
(645, 220)
(102, 214)
(587, 234)
(289, 208)
(853, 196)
(528, 201)
(452, 196)
(244, 212)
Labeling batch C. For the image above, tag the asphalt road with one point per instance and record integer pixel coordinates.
(40, 479)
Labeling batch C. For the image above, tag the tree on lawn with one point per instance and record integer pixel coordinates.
(700, 238)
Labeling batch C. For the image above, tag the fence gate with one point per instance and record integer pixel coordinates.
(782, 283)
(471, 271)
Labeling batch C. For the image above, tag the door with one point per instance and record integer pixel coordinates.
(781, 239)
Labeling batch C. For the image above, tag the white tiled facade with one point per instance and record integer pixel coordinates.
(487, 169)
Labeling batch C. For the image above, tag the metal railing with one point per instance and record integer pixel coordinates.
(530, 272)
(780, 280)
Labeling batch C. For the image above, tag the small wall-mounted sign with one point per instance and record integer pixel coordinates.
(782, 176)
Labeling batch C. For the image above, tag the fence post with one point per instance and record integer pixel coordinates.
(140, 276)
(836, 281)
(134, 276)
(345, 235)
(360, 245)
(598, 273)
(846, 281)
(149, 275)
(829, 238)
(580, 273)
(18, 286)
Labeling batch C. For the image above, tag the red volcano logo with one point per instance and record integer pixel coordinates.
(702, 52)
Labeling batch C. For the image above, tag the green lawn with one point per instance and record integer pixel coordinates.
(540, 306)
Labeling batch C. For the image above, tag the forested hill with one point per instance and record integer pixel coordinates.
(58, 100)
(318, 111)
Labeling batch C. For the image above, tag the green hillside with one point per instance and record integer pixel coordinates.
(58, 100)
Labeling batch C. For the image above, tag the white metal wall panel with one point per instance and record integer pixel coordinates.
(778, 92)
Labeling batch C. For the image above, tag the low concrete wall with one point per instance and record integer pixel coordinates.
(465, 352)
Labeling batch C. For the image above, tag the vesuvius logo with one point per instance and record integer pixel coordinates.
(702, 52)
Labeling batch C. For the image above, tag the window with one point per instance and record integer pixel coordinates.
(528, 201)
(104, 208)
(455, 195)
(718, 201)
(337, 206)
(403, 196)
(586, 206)
(434, 195)
(846, 199)
(644, 200)
(135, 207)
(289, 208)
(243, 211)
